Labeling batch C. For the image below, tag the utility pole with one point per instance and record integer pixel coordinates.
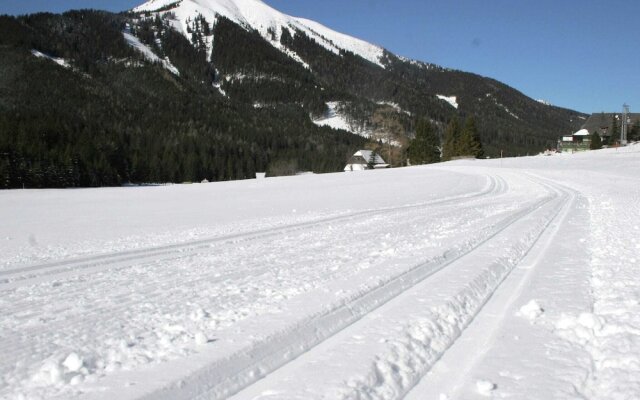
(389, 145)
(625, 123)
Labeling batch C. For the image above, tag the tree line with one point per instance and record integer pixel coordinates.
(459, 140)
(633, 134)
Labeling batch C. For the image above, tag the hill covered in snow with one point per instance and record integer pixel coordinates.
(258, 16)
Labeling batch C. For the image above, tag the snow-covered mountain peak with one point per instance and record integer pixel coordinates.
(255, 14)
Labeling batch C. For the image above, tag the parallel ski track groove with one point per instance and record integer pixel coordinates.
(164, 285)
(219, 379)
(496, 187)
(560, 215)
(12, 278)
(15, 347)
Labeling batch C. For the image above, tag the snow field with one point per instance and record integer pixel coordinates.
(508, 278)
(149, 313)
(117, 220)
(512, 342)
(560, 354)
(611, 332)
(387, 352)
(15, 277)
(221, 387)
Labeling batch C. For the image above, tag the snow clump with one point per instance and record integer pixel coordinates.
(73, 362)
(485, 387)
(200, 338)
(531, 311)
(582, 329)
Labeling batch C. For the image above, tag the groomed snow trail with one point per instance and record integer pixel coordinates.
(144, 307)
(567, 325)
(15, 277)
(551, 279)
(385, 353)
(611, 331)
(460, 280)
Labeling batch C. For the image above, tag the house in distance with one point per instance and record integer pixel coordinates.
(365, 159)
(578, 141)
(604, 125)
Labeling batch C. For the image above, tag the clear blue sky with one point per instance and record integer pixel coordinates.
(579, 54)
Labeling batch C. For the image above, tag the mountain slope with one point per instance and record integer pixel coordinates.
(336, 60)
(116, 117)
(254, 14)
(220, 89)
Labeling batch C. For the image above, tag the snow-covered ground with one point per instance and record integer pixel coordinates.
(336, 119)
(148, 53)
(512, 278)
(452, 100)
(60, 61)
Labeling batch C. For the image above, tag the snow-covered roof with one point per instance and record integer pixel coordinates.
(582, 132)
(366, 154)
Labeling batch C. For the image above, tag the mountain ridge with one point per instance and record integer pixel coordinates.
(255, 14)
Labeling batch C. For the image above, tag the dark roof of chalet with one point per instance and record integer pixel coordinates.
(602, 121)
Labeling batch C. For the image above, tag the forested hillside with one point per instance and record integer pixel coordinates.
(81, 106)
(114, 118)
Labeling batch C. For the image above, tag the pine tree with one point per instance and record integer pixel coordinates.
(634, 132)
(469, 143)
(596, 141)
(476, 137)
(424, 148)
(615, 131)
(372, 160)
(451, 140)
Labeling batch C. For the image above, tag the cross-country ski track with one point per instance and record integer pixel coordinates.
(465, 288)
(33, 273)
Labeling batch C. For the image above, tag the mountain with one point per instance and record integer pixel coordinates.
(268, 22)
(220, 89)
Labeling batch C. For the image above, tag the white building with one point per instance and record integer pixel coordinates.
(359, 161)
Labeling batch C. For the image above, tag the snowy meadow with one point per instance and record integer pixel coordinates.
(513, 278)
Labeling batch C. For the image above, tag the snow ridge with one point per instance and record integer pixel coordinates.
(452, 100)
(335, 119)
(60, 61)
(148, 53)
(254, 14)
